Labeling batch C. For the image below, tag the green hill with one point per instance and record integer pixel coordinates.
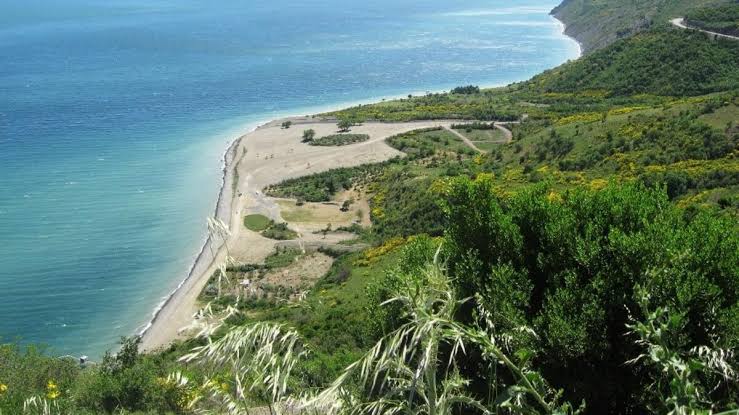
(663, 62)
(724, 19)
(598, 23)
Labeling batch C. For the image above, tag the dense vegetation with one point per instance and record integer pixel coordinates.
(322, 186)
(592, 260)
(269, 228)
(469, 89)
(597, 24)
(667, 62)
(724, 19)
(339, 140)
(126, 382)
(568, 266)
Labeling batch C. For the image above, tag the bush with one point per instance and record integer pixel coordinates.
(567, 264)
(339, 139)
(279, 231)
(466, 90)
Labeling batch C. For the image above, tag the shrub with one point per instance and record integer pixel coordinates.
(339, 139)
(466, 90)
(567, 267)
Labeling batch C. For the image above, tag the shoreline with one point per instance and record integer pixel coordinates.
(563, 32)
(270, 154)
(199, 273)
(200, 257)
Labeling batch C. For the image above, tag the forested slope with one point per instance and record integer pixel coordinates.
(598, 23)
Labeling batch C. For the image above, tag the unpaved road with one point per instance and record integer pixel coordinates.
(466, 140)
(471, 144)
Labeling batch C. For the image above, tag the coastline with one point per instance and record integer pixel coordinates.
(270, 154)
(204, 250)
(169, 315)
(563, 32)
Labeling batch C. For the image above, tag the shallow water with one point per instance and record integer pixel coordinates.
(114, 116)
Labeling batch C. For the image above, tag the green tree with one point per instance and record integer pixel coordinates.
(287, 124)
(309, 135)
(344, 125)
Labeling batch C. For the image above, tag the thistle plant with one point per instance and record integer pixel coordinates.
(678, 384)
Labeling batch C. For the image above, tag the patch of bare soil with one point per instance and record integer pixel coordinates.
(298, 276)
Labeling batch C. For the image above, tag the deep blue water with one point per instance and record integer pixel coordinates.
(114, 116)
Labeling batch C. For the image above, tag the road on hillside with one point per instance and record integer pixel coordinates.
(680, 22)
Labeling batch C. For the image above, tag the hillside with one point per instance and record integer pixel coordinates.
(598, 23)
(664, 62)
(724, 19)
(568, 246)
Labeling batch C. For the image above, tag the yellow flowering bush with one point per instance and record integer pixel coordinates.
(625, 110)
(554, 197)
(582, 117)
(513, 174)
(631, 131)
(597, 184)
(52, 390)
(373, 254)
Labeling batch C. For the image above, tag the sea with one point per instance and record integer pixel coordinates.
(115, 115)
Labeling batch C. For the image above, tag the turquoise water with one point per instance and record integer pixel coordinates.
(114, 116)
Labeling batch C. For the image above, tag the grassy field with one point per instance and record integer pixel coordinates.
(722, 118)
(483, 135)
(424, 143)
(256, 223)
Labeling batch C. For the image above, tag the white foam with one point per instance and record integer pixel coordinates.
(505, 11)
(524, 23)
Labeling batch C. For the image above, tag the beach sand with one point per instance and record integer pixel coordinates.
(258, 159)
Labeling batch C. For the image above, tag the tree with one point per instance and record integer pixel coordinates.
(466, 90)
(287, 124)
(344, 125)
(309, 135)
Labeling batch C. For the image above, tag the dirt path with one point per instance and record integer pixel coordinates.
(466, 140)
(508, 134)
(680, 22)
(471, 144)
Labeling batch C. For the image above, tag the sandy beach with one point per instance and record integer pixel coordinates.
(265, 156)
